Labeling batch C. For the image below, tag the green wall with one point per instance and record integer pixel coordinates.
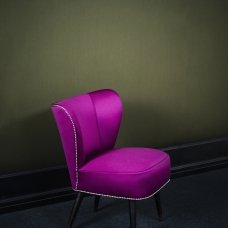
(167, 59)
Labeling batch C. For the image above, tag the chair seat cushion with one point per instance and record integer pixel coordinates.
(133, 173)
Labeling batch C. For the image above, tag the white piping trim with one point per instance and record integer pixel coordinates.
(75, 142)
(121, 197)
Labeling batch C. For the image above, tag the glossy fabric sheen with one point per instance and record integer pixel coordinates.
(126, 172)
(88, 125)
(108, 109)
(126, 160)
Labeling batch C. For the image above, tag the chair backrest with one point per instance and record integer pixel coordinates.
(88, 126)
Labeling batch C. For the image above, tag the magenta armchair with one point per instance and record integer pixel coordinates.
(88, 126)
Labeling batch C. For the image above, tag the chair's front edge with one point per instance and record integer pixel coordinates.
(123, 197)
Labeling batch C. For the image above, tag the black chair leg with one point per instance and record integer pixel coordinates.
(158, 205)
(132, 213)
(96, 203)
(74, 210)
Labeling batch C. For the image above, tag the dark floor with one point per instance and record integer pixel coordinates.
(193, 201)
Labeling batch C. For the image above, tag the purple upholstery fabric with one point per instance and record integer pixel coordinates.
(88, 125)
(126, 172)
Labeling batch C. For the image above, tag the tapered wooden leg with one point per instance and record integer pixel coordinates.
(158, 205)
(96, 203)
(132, 213)
(74, 210)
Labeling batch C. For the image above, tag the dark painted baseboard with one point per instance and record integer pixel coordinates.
(199, 167)
(198, 157)
(36, 187)
(39, 187)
